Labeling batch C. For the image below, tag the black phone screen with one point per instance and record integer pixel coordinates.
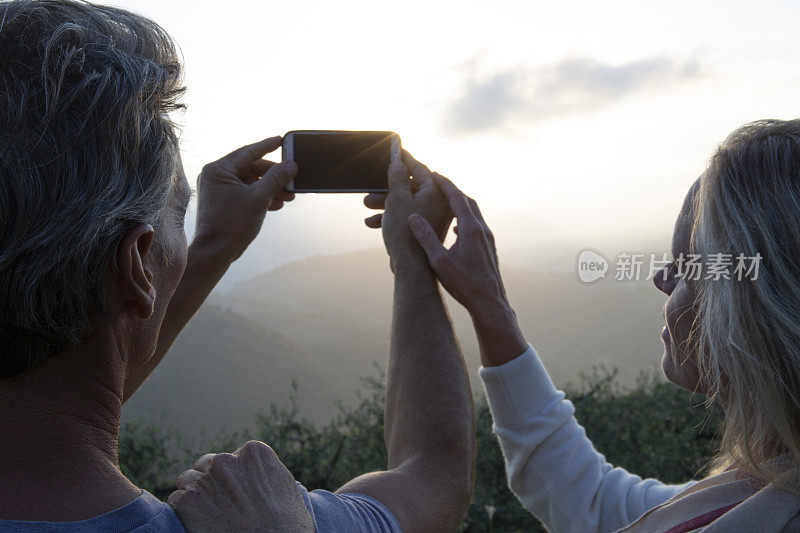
(342, 161)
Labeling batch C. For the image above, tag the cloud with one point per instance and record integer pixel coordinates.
(528, 95)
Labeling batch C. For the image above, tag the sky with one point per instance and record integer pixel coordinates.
(577, 124)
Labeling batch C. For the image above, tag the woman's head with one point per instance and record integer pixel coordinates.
(738, 339)
(88, 162)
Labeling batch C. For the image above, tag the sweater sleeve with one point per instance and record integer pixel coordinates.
(551, 464)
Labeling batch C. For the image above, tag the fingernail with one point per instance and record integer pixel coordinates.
(415, 221)
(290, 166)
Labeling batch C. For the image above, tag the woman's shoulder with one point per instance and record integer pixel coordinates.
(731, 500)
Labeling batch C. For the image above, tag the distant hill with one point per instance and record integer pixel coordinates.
(342, 306)
(326, 319)
(224, 368)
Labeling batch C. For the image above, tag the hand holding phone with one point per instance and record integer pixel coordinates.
(341, 161)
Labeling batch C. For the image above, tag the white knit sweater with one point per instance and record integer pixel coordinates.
(552, 466)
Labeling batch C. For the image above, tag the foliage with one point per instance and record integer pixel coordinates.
(656, 430)
(328, 457)
(145, 457)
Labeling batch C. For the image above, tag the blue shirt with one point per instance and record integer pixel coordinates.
(147, 514)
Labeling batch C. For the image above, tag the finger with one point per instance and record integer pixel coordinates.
(174, 498)
(457, 199)
(276, 178)
(375, 200)
(374, 221)
(259, 167)
(204, 462)
(285, 196)
(399, 178)
(427, 239)
(473, 206)
(243, 157)
(189, 479)
(255, 450)
(183, 501)
(275, 205)
(421, 173)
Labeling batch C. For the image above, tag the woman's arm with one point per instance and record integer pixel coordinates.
(552, 466)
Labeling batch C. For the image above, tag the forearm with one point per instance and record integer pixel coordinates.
(499, 336)
(552, 466)
(428, 398)
(205, 266)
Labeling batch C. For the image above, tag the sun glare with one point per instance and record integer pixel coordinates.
(581, 121)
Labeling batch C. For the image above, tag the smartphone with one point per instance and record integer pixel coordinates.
(340, 161)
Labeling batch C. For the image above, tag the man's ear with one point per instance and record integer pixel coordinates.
(135, 273)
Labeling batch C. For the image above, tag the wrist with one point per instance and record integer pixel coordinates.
(214, 248)
(419, 275)
(413, 275)
(210, 252)
(411, 262)
(499, 335)
(489, 310)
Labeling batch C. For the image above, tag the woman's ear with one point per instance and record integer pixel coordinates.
(135, 274)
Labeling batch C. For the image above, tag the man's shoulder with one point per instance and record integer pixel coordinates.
(159, 517)
(348, 512)
(145, 514)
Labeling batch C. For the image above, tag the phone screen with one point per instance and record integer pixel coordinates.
(342, 161)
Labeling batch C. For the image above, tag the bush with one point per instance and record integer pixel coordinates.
(655, 430)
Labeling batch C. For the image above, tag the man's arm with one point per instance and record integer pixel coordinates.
(429, 420)
(430, 436)
(234, 194)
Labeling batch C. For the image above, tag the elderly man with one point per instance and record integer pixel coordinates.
(97, 280)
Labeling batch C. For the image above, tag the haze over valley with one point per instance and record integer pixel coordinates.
(324, 322)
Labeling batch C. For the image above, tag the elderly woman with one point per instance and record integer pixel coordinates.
(735, 339)
(97, 280)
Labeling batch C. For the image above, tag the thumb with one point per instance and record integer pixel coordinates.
(276, 179)
(426, 237)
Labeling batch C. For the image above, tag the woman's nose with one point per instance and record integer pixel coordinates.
(662, 282)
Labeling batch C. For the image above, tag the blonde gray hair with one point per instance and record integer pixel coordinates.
(87, 152)
(747, 333)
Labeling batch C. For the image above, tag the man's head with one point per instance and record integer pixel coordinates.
(91, 186)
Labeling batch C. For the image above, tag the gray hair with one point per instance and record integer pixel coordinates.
(87, 153)
(747, 332)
